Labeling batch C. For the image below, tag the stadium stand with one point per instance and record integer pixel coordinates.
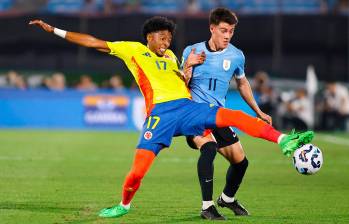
(5, 5)
(161, 6)
(174, 6)
(57, 6)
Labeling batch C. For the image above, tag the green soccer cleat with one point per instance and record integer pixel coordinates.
(113, 212)
(293, 141)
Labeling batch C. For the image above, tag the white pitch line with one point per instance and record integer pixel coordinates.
(334, 140)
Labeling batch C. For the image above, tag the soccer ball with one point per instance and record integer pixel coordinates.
(308, 159)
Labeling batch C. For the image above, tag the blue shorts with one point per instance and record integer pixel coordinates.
(175, 118)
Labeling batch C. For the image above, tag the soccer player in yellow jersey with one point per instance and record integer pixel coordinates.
(170, 110)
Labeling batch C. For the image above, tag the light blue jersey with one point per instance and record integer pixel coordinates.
(210, 81)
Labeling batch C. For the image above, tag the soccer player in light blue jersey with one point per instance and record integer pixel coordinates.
(217, 62)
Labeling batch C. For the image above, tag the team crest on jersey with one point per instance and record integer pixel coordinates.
(147, 54)
(226, 64)
(148, 135)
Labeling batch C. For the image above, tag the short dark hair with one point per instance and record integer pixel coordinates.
(158, 23)
(222, 15)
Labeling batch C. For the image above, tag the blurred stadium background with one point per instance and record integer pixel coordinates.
(296, 59)
(296, 52)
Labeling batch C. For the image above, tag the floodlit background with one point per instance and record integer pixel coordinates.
(57, 166)
(296, 59)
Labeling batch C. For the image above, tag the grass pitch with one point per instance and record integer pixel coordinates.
(67, 177)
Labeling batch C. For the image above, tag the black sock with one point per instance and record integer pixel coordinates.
(208, 152)
(235, 173)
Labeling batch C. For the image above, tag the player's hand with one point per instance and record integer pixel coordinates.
(185, 74)
(195, 59)
(42, 24)
(265, 117)
(179, 72)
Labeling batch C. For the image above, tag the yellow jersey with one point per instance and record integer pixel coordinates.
(157, 77)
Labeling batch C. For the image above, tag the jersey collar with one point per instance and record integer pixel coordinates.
(210, 50)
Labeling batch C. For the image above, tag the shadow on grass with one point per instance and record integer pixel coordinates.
(191, 219)
(185, 219)
(36, 207)
(68, 214)
(82, 221)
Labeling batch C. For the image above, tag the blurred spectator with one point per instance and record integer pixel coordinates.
(326, 6)
(342, 6)
(91, 6)
(15, 80)
(111, 6)
(21, 83)
(29, 5)
(54, 82)
(35, 80)
(11, 77)
(132, 5)
(265, 95)
(116, 83)
(57, 81)
(193, 6)
(298, 112)
(46, 83)
(86, 83)
(335, 107)
(3, 81)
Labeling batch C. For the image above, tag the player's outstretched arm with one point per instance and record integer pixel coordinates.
(82, 39)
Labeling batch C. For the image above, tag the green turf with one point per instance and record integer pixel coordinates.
(67, 177)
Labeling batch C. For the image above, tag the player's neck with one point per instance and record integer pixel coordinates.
(154, 51)
(211, 46)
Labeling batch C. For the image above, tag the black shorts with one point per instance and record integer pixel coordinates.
(224, 137)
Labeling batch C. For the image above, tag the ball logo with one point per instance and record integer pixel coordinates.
(148, 135)
(308, 159)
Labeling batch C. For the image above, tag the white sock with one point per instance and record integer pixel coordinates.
(227, 198)
(280, 138)
(206, 204)
(126, 206)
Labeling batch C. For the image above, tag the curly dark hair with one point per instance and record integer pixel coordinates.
(158, 23)
(222, 15)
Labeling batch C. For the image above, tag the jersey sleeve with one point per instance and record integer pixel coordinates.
(185, 55)
(240, 70)
(123, 49)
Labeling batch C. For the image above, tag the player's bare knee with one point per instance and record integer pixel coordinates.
(200, 141)
(238, 157)
(233, 153)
